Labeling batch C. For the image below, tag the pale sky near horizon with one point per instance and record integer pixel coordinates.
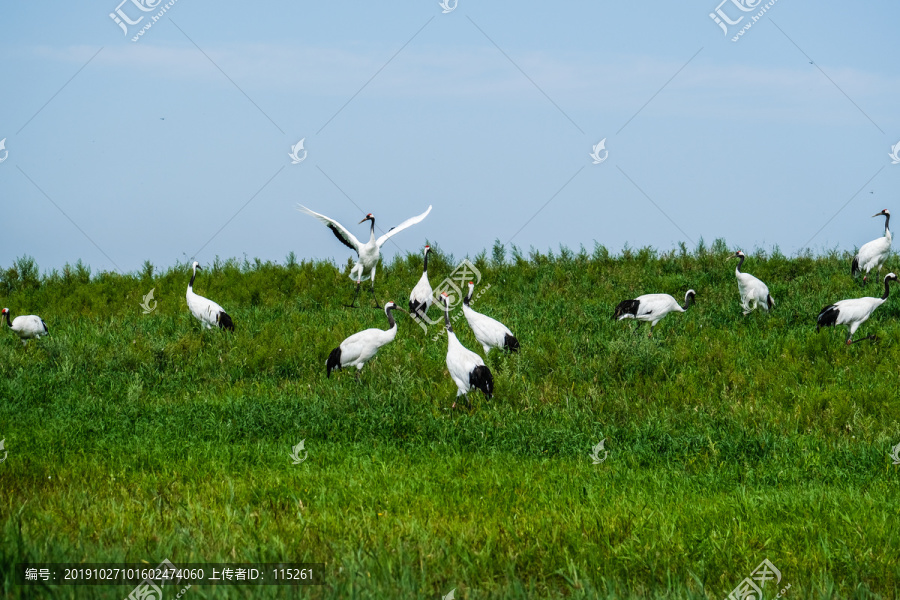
(177, 145)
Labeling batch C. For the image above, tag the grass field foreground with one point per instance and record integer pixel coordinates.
(731, 439)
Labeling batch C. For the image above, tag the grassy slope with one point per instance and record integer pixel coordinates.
(138, 437)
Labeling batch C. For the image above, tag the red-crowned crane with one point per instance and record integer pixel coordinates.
(368, 253)
(205, 310)
(873, 254)
(754, 293)
(489, 332)
(651, 308)
(467, 369)
(357, 349)
(27, 327)
(853, 313)
(421, 297)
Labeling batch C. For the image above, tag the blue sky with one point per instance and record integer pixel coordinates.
(176, 146)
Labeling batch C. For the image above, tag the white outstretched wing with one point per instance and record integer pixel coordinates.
(345, 237)
(407, 223)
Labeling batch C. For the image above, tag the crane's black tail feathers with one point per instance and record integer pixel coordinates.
(45, 327)
(225, 321)
(417, 309)
(828, 317)
(626, 307)
(334, 361)
(481, 378)
(854, 267)
(511, 343)
(770, 302)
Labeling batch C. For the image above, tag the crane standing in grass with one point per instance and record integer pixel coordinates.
(27, 327)
(651, 308)
(754, 293)
(205, 310)
(489, 332)
(368, 253)
(873, 254)
(357, 349)
(467, 369)
(853, 313)
(421, 297)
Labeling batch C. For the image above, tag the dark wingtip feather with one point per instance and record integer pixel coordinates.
(626, 307)
(511, 343)
(416, 309)
(827, 317)
(45, 326)
(334, 361)
(225, 321)
(340, 237)
(854, 267)
(769, 301)
(481, 378)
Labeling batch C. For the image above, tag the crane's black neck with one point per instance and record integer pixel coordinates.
(468, 297)
(887, 289)
(8, 322)
(425, 268)
(740, 263)
(887, 220)
(390, 317)
(191, 284)
(447, 318)
(690, 297)
(372, 228)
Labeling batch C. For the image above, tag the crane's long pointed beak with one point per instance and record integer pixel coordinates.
(881, 214)
(363, 221)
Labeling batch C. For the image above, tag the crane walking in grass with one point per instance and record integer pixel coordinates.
(205, 310)
(651, 308)
(853, 313)
(357, 349)
(27, 327)
(754, 293)
(467, 369)
(873, 254)
(421, 297)
(489, 332)
(368, 253)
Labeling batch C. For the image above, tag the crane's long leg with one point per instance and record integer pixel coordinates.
(377, 303)
(868, 337)
(355, 296)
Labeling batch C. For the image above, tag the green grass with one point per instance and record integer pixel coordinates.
(731, 439)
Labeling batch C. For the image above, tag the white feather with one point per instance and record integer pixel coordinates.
(489, 332)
